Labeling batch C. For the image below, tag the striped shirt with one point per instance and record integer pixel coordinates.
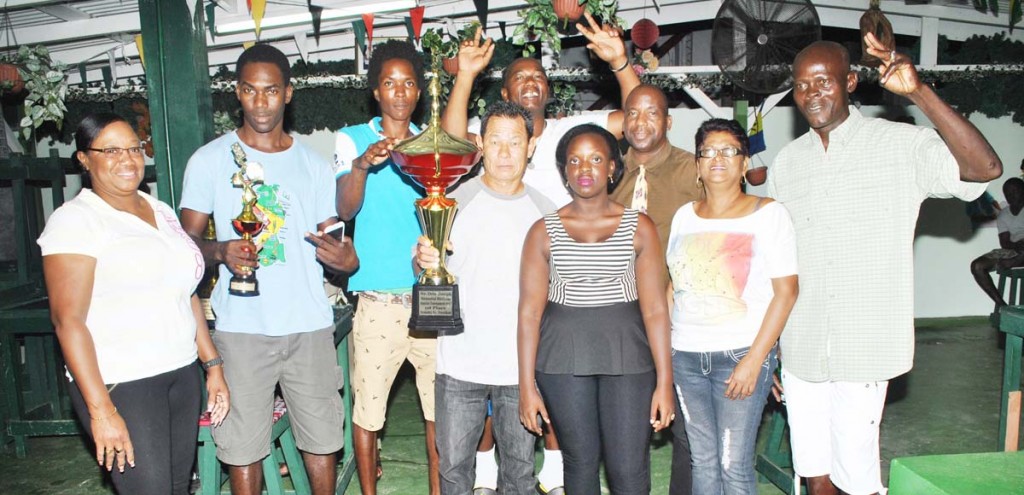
(588, 274)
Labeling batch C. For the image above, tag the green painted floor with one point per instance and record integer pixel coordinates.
(949, 403)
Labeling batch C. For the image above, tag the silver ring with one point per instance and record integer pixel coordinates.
(892, 56)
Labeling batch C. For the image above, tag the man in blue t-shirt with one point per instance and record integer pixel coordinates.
(371, 189)
(285, 335)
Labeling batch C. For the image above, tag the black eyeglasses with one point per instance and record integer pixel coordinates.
(727, 152)
(116, 152)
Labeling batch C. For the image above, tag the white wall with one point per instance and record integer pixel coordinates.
(945, 245)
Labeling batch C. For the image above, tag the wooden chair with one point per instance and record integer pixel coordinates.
(282, 451)
(1013, 278)
(283, 448)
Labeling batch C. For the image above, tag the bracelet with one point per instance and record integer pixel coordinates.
(624, 65)
(217, 361)
(111, 415)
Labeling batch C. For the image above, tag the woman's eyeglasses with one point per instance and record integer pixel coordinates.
(727, 152)
(117, 152)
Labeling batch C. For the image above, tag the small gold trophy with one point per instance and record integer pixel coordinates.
(436, 160)
(246, 223)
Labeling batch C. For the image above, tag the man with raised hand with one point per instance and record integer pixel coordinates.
(854, 186)
(525, 82)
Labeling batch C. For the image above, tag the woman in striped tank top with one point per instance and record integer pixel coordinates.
(594, 324)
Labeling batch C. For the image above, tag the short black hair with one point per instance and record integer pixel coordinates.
(613, 150)
(392, 49)
(1013, 183)
(264, 53)
(507, 71)
(723, 125)
(503, 108)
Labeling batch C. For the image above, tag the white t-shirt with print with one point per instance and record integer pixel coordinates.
(722, 271)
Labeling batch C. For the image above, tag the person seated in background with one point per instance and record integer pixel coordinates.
(120, 274)
(1010, 224)
(495, 211)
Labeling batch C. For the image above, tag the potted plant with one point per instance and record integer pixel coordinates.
(47, 88)
(541, 20)
(10, 79)
(434, 42)
(568, 10)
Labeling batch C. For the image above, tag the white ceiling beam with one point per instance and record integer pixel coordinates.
(73, 30)
(64, 12)
(929, 42)
(22, 4)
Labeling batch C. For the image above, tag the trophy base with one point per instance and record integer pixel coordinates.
(435, 309)
(243, 287)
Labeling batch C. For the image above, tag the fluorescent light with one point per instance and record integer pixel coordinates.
(307, 18)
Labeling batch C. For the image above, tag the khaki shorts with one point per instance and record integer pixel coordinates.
(381, 343)
(306, 367)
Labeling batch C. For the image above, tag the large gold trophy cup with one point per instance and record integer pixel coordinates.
(436, 160)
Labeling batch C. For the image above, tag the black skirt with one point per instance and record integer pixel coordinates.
(604, 340)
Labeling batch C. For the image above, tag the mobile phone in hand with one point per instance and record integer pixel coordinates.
(336, 231)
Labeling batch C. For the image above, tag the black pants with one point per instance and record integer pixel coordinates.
(597, 417)
(162, 415)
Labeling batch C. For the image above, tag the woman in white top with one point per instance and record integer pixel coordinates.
(732, 259)
(120, 274)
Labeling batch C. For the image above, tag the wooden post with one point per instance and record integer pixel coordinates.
(1013, 422)
(178, 81)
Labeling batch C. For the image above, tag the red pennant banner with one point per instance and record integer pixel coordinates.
(368, 22)
(416, 13)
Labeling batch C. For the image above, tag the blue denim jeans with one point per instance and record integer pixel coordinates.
(461, 408)
(722, 432)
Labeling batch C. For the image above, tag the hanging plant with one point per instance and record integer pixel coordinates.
(434, 42)
(568, 10)
(47, 88)
(10, 80)
(541, 21)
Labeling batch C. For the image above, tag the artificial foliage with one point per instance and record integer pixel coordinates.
(328, 97)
